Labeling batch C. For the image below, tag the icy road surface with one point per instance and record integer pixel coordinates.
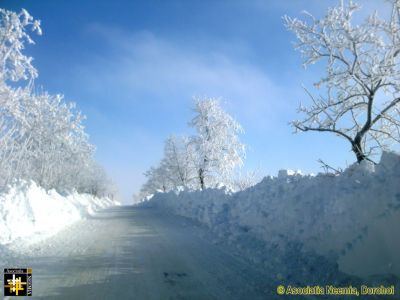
(138, 253)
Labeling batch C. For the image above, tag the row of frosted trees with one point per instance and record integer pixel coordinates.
(41, 135)
(210, 158)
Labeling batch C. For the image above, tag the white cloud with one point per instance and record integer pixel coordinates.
(142, 65)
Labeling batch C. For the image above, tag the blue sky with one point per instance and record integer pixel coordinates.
(132, 67)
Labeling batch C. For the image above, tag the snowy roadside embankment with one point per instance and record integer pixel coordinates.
(29, 211)
(328, 215)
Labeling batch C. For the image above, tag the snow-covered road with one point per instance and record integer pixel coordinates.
(139, 253)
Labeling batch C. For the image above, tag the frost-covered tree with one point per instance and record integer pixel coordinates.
(41, 135)
(361, 85)
(15, 68)
(242, 181)
(217, 145)
(13, 35)
(175, 170)
(157, 180)
(94, 180)
(46, 142)
(207, 159)
(56, 146)
(178, 160)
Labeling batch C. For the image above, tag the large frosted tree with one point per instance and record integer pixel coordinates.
(207, 159)
(217, 145)
(360, 89)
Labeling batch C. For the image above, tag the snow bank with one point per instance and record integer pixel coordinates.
(29, 211)
(328, 215)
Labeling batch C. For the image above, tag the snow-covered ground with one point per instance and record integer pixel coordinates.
(351, 219)
(30, 213)
(128, 252)
(143, 253)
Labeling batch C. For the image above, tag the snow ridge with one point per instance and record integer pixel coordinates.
(27, 211)
(325, 214)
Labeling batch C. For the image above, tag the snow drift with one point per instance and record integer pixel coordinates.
(29, 211)
(335, 217)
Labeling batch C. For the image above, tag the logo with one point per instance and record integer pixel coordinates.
(280, 290)
(18, 282)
